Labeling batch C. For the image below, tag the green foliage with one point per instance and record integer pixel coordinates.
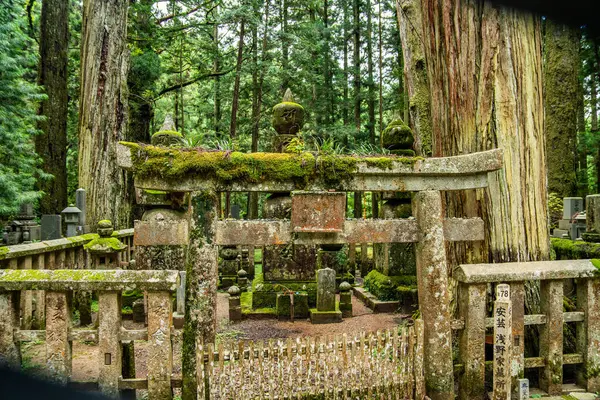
(18, 112)
(567, 249)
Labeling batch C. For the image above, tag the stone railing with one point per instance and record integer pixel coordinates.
(64, 253)
(474, 320)
(58, 335)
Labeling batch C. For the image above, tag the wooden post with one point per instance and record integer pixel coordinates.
(26, 296)
(201, 286)
(39, 315)
(471, 306)
(10, 350)
(434, 297)
(58, 346)
(588, 333)
(551, 336)
(109, 343)
(160, 361)
(502, 343)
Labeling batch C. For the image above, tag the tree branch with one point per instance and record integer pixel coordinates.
(192, 81)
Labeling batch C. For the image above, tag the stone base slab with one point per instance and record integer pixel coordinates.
(560, 233)
(371, 301)
(325, 317)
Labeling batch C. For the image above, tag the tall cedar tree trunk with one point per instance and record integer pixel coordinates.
(594, 123)
(51, 144)
(380, 65)
(416, 83)
(561, 87)
(285, 73)
(236, 85)
(103, 113)
(346, 109)
(371, 83)
(356, 33)
(582, 151)
(329, 91)
(216, 66)
(484, 66)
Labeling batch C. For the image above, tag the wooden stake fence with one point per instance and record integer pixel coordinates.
(386, 364)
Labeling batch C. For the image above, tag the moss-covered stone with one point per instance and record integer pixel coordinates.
(385, 287)
(235, 166)
(397, 135)
(167, 138)
(264, 294)
(283, 306)
(105, 245)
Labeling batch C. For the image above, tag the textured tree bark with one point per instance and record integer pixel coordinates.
(356, 60)
(484, 68)
(371, 82)
(216, 67)
(561, 89)
(415, 74)
(103, 112)
(236, 85)
(51, 144)
(345, 110)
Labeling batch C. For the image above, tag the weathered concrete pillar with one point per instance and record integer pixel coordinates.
(434, 297)
(551, 336)
(201, 286)
(517, 369)
(109, 342)
(588, 333)
(10, 349)
(592, 218)
(471, 346)
(160, 355)
(58, 346)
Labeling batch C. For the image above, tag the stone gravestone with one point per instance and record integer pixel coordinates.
(235, 211)
(502, 343)
(326, 310)
(571, 206)
(523, 393)
(80, 203)
(51, 227)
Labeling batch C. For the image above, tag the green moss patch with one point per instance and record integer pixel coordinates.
(105, 244)
(388, 288)
(167, 133)
(566, 249)
(234, 166)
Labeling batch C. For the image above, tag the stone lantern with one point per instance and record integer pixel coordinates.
(71, 216)
(105, 249)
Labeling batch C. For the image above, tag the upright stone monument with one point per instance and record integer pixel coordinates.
(80, 203)
(572, 225)
(290, 265)
(326, 311)
(51, 227)
(592, 213)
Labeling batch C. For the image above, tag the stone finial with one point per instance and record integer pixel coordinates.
(169, 124)
(398, 138)
(345, 286)
(105, 228)
(288, 97)
(288, 116)
(242, 273)
(234, 291)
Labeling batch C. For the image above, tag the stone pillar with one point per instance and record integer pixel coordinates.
(80, 203)
(551, 336)
(26, 296)
(346, 299)
(434, 296)
(517, 297)
(10, 348)
(201, 286)
(242, 279)
(588, 333)
(502, 343)
(39, 314)
(471, 341)
(109, 343)
(235, 307)
(229, 266)
(592, 222)
(160, 354)
(58, 346)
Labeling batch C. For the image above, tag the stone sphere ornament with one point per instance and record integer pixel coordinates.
(234, 291)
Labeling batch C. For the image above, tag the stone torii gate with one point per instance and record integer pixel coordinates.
(196, 231)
